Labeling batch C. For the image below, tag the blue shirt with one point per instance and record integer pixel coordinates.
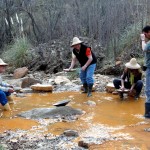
(147, 54)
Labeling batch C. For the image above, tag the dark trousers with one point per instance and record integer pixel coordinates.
(138, 85)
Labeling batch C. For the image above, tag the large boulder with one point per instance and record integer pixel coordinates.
(46, 113)
(27, 82)
(20, 72)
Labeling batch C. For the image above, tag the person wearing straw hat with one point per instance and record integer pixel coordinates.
(145, 37)
(130, 79)
(87, 60)
(5, 89)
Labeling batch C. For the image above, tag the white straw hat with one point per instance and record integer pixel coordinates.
(75, 41)
(132, 64)
(2, 63)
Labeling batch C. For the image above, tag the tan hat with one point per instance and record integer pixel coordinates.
(2, 63)
(75, 41)
(132, 64)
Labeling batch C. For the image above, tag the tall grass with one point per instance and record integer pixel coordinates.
(18, 54)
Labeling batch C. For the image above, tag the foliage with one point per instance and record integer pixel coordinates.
(113, 23)
(126, 41)
(2, 148)
(140, 61)
(18, 53)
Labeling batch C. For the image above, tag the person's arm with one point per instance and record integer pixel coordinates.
(122, 85)
(6, 89)
(73, 62)
(123, 77)
(90, 58)
(74, 59)
(143, 41)
(132, 87)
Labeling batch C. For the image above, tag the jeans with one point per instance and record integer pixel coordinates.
(87, 75)
(147, 86)
(138, 85)
(3, 99)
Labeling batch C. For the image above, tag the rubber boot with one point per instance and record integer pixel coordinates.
(147, 110)
(85, 88)
(10, 100)
(7, 107)
(90, 86)
(137, 95)
(121, 95)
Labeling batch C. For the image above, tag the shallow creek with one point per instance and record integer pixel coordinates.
(109, 111)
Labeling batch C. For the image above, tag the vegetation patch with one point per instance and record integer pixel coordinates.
(18, 54)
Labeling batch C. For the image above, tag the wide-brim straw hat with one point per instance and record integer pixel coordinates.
(2, 63)
(76, 41)
(132, 64)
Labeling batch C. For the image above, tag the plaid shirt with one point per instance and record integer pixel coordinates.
(4, 86)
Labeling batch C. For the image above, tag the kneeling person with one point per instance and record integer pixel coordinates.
(5, 89)
(130, 79)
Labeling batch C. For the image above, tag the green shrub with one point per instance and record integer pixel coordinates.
(2, 148)
(18, 54)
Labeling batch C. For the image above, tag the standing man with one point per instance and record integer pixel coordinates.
(145, 37)
(87, 60)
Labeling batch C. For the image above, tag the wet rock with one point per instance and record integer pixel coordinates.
(110, 87)
(90, 103)
(26, 90)
(38, 141)
(45, 113)
(17, 89)
(27, 82)
(20, 72)
(84, 144)
(51, 81)
(72, 87)
(147, 129)
(71, 133)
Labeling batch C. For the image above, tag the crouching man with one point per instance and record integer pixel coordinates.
(5, 89)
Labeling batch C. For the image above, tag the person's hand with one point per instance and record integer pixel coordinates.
(84, 67)
(122, 88)
(142, 37)
(130, 91)
(11, 90)
(67, 70)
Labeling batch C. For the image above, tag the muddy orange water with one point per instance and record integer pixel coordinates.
(109, 110)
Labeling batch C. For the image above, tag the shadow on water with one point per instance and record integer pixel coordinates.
(107, 110)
